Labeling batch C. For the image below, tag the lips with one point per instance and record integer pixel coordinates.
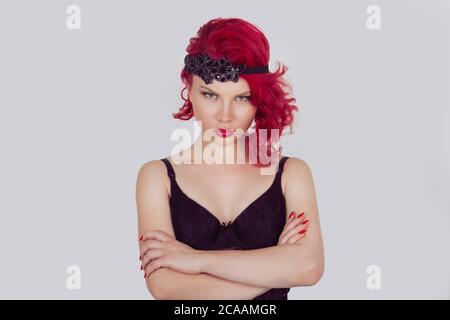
(224, 132)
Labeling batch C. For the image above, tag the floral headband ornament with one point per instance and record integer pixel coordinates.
(222, 70)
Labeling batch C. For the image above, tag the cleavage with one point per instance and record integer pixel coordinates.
(224, 196)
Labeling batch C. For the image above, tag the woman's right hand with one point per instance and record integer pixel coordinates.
(295, 229)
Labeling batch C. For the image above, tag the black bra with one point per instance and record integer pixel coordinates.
(259, 225)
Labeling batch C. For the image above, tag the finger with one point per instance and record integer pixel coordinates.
(287, 227)
(293, 223)
(290, 219)
(298, 229)
(301, 215)
(296, 237)
(300, 225)
(153, 266)
(291, 215)
(155, 234)
(148, 244)
(149, 256)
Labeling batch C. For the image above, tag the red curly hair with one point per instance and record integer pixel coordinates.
(242, 42)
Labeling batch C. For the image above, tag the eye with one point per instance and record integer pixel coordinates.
(212, 95)
(208, 95)
(247, 98)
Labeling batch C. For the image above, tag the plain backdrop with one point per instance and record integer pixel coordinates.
(82, 110)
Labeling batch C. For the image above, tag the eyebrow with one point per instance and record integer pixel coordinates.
(241, 94)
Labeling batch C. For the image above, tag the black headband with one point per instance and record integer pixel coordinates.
(210, 69)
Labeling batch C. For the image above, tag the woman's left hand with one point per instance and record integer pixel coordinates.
(158, 249)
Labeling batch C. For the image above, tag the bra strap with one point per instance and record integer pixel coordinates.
(170, 171)
(281, 164)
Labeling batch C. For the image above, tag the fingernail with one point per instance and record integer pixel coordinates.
(305, 222)
(145, 275)
(291, 215)
(140, 257)
(141, 267)
(301, 215)
(302, 231)
(142, 237)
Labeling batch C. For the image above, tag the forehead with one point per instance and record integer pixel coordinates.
(223, 87)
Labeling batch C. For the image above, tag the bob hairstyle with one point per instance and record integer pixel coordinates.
(242, 42)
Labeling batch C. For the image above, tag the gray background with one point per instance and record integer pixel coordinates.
(82, 110)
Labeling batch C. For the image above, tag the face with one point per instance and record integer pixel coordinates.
(223, 105)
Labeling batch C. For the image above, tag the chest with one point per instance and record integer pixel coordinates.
(259, 225)
(225, 196)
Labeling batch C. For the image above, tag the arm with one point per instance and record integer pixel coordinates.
(290, 265)
(277, 267)
(153, 208)
(180, 286)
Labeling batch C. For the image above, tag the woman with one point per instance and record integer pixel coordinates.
(215, 230)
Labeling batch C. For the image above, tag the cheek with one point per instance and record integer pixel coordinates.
(202, 111)
(246, 114)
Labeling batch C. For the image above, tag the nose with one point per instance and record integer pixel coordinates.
(224, 114)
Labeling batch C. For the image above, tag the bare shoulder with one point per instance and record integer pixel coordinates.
(152, 173)
(301, 197)
(296, 172)
(152, 189)
(152, 167)
(297, 166)
(153, 210)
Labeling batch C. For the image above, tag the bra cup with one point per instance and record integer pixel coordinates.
(192, 226)
(263, 225)
(258, 226)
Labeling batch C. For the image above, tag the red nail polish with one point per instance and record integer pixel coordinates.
(140, 257)
(302, 231)
(291, 215)
(300, 215)
(141, 267)
(142, 237)
(145, 275)
(305, 222)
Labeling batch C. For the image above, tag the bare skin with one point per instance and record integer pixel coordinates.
(175, 270)
(239, 186)
(221, 105)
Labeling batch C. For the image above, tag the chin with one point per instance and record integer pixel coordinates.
(224, 141)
